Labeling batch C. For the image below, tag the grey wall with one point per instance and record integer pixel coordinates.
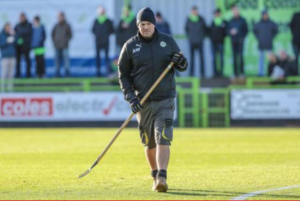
(176, 12)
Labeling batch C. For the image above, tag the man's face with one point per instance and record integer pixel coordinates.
(22, 18)
(236, 12)
(146, 29)
(194, 12)
(36, 22)
(126, 11)
(101, 11)
(217, 14)
(283, 55)
(61, 18)
(7, 28)
(265, 16)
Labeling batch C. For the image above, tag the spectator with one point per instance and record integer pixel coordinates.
(127, 26)
(274, 64)
(38, 40)
(161, 25)
(102, 29)
(8, 61)
(23, 32)
(265, 31)
(295, 28)
(238, 30)
(61, 36)
(218, 32)
(288, 64)
(281, 67)
(196, 31)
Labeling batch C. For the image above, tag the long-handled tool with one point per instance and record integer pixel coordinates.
(127, 120)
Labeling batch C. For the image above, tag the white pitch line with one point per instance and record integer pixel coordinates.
(246, 196)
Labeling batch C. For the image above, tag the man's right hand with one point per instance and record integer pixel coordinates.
(135, 105)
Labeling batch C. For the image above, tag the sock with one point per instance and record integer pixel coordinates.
(154, 173)
(162, 173)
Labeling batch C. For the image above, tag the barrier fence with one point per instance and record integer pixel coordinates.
(197, 106)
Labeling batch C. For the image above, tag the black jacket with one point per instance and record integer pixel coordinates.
(240, 25)
(295, 28)
(142, 62)
(196, 31)
(102, 32)
(24, 32)
(163, 27)
(265, 32)
(61, 35)
(218, 33)
(124, 34)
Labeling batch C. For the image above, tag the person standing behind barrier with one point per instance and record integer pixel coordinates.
(23, 32)
(102, 29)
(61, 36)
(295, 28)
(38, 40)
(196, 31)
(238, 30)
(161, 25)
(8, 61)
(265, 31)
(218, 32)
(127, 27)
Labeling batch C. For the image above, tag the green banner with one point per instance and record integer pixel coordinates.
(280, 11)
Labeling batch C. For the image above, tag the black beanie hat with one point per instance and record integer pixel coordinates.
(145, 14)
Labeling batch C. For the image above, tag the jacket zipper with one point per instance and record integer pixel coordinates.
(152, 68)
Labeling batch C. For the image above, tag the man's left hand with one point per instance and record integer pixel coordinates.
(180, 62)
(177, 59)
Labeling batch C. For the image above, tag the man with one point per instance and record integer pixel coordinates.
(8, 57)
(127, 27)
(288, 64)
(265, 31)
(196, 31)
(238, 30)
(102, 29)
(218, 32)
(161, 24)
(23, 32)
(38, 40)
(143, 58)
(61, 36)
(295, 28)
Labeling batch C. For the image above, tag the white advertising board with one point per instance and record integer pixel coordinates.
(265, 104)
(102, 106)
(38, 107)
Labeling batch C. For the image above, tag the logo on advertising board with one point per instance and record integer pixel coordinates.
(26, 107)
(112, 104)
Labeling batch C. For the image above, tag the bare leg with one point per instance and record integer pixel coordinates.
(163, 157)
(151, 158)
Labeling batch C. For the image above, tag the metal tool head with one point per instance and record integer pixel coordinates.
(84, 174)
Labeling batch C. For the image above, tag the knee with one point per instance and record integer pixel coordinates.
(164, 133)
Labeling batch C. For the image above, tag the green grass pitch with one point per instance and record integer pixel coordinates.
(205, 164)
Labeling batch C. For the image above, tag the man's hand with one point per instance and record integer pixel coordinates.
(177, 59)
(135, 105)
(180, 62)
(10, 39)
